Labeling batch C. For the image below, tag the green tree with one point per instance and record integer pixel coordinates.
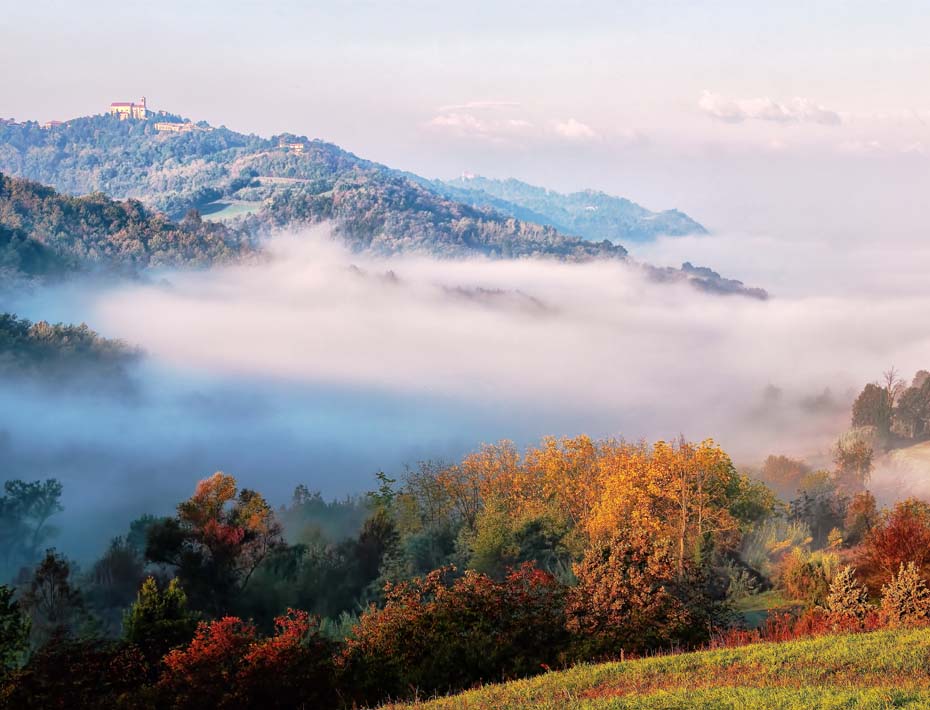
(159, 619)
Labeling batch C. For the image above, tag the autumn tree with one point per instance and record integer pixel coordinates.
(631, 596)
(217, 540)
(443, 632)
(902, 536)
(861, 516)
(783, 473)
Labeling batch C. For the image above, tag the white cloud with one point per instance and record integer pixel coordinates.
(574, 130)
(796, 110)
(479, 106)
(499, 333)
(466, 124)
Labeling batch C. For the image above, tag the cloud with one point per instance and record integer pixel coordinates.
(595, 347)
(479, 106)
(465, 124)
(574, 130)
(796, 110)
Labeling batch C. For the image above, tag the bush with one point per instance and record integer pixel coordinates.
(630, 598)
(807, 576)
(847, 599)
(436, 635)
(906, 599)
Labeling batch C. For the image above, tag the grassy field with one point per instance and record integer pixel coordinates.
(222, 210)
(883, 669)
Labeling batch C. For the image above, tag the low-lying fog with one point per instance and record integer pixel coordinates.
(319, 366)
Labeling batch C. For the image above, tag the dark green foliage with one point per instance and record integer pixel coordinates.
(112, 582)
(96, 231)
(14, 631)
(63, 353)
(159, 619)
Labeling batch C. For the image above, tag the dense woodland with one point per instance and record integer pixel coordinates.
(48, 233)
(501, 565)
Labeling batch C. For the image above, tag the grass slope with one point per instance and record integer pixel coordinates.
(883, 669)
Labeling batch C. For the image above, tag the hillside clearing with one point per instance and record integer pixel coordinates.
(876, 670)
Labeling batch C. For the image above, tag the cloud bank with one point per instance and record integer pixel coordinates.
(796, 110)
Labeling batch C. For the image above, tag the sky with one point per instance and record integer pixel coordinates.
(743, 114)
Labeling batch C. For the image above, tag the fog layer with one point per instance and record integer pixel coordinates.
(322, 366)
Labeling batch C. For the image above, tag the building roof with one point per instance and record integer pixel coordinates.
(123, 103)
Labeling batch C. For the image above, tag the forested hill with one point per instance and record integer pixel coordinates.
(591, 214)
(43, 232)
(285, 181)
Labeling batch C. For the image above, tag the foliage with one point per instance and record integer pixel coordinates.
(159, 620)
(807, 575)
(847, 597)
(78, 673)
(861, 517)
(228, 665)
(906, 599)
(218, 539)
(631, 596)
(821, 505)
(901, 536)
(439, 634)
(14, 631)
(49, 232)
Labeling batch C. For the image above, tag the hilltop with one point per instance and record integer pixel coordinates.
(592, 214)
(283, 181)
(873, 670)
(209, 194)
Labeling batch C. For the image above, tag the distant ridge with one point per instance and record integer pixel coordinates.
(590, 214)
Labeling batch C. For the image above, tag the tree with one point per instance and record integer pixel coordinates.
(632, 597)
(217, 541)
(853, 460)
(902, 536)
(443, 632)
(54, 604)
(229, 665)
(861, 516)
(783, 473)
(25, 510)
(14, 631)
(873, 408)
(159, 619)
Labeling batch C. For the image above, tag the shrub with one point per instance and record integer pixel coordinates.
(806, 575)
(630, 597)
(87, 673)
(227, 665)
(902, 536)
(434, 634)
(906, 599)
(159, 620)
(847, 598)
